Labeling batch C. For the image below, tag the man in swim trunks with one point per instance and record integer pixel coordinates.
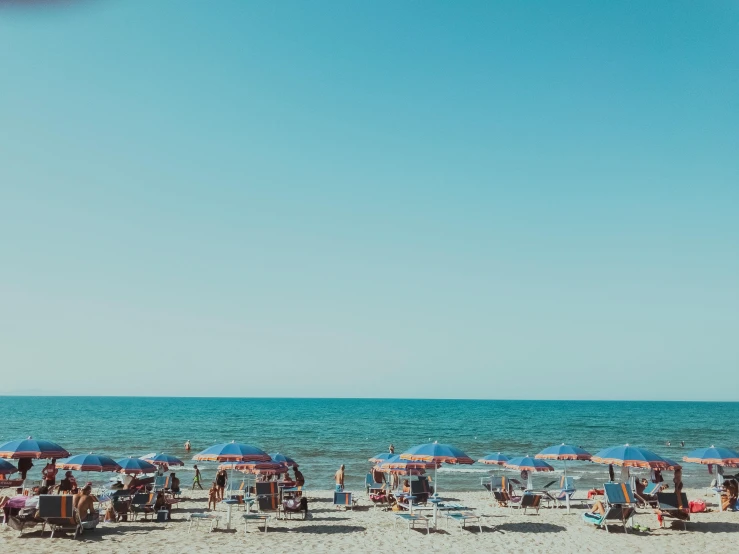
(339, 478)
(85, 503)
(196, 480)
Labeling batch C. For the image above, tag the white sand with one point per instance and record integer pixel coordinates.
(367, 529)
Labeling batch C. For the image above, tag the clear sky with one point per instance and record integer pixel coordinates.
(388, 198)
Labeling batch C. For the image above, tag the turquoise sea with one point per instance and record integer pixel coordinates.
(321, 434)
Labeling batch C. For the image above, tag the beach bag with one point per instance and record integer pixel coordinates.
(697, 506)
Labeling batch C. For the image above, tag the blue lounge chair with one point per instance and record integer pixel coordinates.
(673, 506)
(619, 506)
(345, 499)
(528, 501)
(566, 490)
(410, 520)
(58, 512)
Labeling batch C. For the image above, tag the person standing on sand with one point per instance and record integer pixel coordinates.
(187, 445)
(196, 480)
(221, 483)
(49, 473)
(339, 478)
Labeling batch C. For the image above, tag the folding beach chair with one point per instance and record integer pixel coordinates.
(345, 499)
(143, 503)
(421, 490)
(673, 506)
(620, 502)
(160, 483)
(462, 518)
(527, 501)
(566, 490)
(197, 518)
(24, 519)
(410, 520)
(648, 496)
(57, 511)
(268, 497)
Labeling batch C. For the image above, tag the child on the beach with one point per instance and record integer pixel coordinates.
(213, 496)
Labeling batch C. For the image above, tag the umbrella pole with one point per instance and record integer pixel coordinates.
(567, 495)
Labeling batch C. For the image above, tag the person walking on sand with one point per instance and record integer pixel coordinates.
(187, 445)
(339, 478)
(196, 480)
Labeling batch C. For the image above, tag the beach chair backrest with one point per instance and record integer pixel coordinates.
(567, 483)
(652, 488)
(56, 506)
(618, 493)
(160, 481)
(369, 480)
(267, 488)
(342, 498)
(140, 498)
(167, 482)
(268, 503)
(671, 501)
(530, 500)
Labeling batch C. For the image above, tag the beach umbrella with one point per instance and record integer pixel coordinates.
(436, 453)
(256, 468)
(494, 459)
(382, 457)
(715, 455)
(282, 459)
(32, 448)
(631, 456)
(529, 465)
(135, 466)
(163, 460)
(6, 468)
(232, 452)
(89, 462)
(564, 452)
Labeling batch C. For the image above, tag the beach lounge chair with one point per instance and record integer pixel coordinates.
(57, 511)
(294, 505)
(410, 520)
(648, 496)
(24, 519)
(421, 489)
(121, 507)
(528, 501)
(462, 518)
(6, 483)
(259, 517)
(345, 499)
(143, 503)
(673, 506)
(197, 518)
(620, 502)
(160, 483)
(492, 484)
(566, 490)
(379, 497)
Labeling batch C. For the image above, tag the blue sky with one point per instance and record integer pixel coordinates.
(427, 199)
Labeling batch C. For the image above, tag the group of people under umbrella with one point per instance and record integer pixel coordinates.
(421, 458)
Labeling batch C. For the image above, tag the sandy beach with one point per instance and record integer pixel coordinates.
(367, 528)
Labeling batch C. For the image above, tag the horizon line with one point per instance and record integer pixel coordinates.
(42, 395)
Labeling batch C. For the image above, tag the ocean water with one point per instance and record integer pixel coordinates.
(321, 434)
